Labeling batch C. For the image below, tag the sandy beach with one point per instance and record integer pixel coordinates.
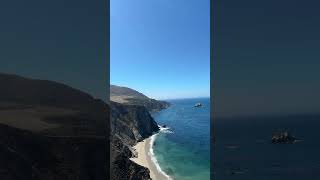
(144, 159)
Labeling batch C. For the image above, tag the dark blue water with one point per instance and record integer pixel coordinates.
(243, 150)
(184, 154)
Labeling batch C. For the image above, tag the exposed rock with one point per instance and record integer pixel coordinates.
(132, 123)
(122, 168)
(283, 137)
(50, 131)
(198, 105)
(129, 125)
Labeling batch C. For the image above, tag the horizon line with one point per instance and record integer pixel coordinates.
(177, 98)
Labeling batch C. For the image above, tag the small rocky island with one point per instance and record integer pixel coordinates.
(283, 137)
(198, 105)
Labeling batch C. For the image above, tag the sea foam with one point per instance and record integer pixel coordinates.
(151, 152)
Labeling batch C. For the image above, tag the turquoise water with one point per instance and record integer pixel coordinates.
(183, 152)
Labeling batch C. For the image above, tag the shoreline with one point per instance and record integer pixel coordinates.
(143, 150)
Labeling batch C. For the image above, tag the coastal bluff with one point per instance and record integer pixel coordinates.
(131, 123)
(125, 95)
(51, 131)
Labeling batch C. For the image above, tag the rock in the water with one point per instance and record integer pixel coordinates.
(283, 137)
(198, 105)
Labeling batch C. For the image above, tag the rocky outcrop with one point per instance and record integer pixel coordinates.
(129, 125)
(198, 105)
(129, 96)
(122, 168)
(132, 123)
(283, 137)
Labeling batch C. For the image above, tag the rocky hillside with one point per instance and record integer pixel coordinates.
(129, 125)
(49, 131)
(131, 122)
(129, 96)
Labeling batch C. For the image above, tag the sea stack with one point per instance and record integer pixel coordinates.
(283, 137)
(198, 105)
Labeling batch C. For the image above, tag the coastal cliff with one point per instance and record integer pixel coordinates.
(131, 123)
(50, 131)
(129, 96)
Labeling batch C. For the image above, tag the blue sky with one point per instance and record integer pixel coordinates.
(161, 47)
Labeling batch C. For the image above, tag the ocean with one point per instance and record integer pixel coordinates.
(243, 149)
(182, 150)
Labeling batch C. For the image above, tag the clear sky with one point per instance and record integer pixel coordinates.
(161, 47)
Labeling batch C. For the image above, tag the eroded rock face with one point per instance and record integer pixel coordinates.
(129, 125)
(132, 123)
(122, 168)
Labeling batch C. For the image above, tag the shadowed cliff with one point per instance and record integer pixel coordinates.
(129, 125)
(131, 122)
(50, 131)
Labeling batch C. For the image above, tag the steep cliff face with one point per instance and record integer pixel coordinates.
(50, 131)
(122, 168)
(131, 122)
(129, 125)
(129, 96)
